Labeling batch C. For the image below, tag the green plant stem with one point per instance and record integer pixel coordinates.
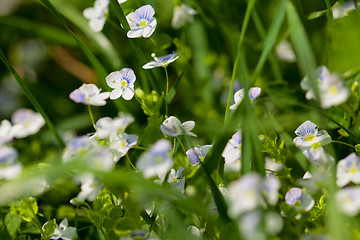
(330, 13)
(92, 118)
(131, 164)
(139, 147)
(343, 143)
(167, 91)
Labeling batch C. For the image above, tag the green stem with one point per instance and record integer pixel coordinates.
(131, 164)
(344, 143)
(330, 13)
(167, 91)
(92, 118)
(139, 147)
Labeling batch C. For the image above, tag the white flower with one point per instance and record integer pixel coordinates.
(26, 122)
(176, 180)
(106, 126)
(312, 183)
(271, 166)
(270, 188)
(182, 14)
(10, 168)
(348, 200)
(232, 151)
(342, 10)
(298, 199)
(6, 132)
(122, 82)
(318, 156)
(161, 61)
(121, 143)
(254, 92)
(307, 134)
(197, 154)
(348, 170)
(63, 231)
(332, 91)
(142, 22)
(96, 15)
(173, 127)
(285, 52)
(157, 160)
(89, 94)
(90, 187)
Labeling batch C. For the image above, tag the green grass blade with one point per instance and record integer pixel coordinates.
(329, 10)
(33, 101)
(172, 90)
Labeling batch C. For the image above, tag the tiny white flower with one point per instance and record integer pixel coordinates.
(197, 154)
(106, 126)
(173, 127)
(121, 143)
(232, 151)
(6, 132)
(285, 52)
(318, 156)
(348, 200)
(270, 188)
(161, 61)
(254, 92)
(176, 180)
(308, 134)
(90, 187)
(342, 10)
(96, 15)
(182, 14)
(271, 166)
(157, 160)
(348, 170)
(299, 200)
(63, 231)
(142, 22)
(89, 94)
(10, 168)
(122, 82)
(26, 122)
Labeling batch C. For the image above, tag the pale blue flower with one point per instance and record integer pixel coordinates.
(348, 200)
(254, 92)
(122, 82)
(163, 61)
(90, 187)
(299, 200)
(176, 180)
(6, 132)
(348, 170)
(89, 94)
(173, 127)
(157, 160)
(232, 151)
(26, 122)
(121, 143)
(96, 15)
(197, 154)
(10, 168)
(308, 134)
(142, 22)
(63, 231)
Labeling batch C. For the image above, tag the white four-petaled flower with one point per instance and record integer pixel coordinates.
(142, 22)
(63, 231)
(26, 122)
(10, 168)
(173, 127)
(348, 170)
(348, 200)
(197, 154)
(299, 200)
(89, 94)
(122, 82)
(96, 15)
(232, 152)
(161, 61)
(106, 126)
(308, 134)
(6, 132)
(176, 180)
(121, 143)
(182, 14)
(254, 92)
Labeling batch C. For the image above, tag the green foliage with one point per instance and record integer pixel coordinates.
(28, 209)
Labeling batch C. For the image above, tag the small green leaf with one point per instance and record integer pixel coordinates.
(357, 149)
(49, 228)
(12, 223)
(28, 208)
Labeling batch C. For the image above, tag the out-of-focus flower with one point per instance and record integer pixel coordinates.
(90, 187)
(197, 154)
(348, 200)
(106, 126)
(121, 143)
(232, 151)
(163, 61)
(308, 134)
(312, 183)
(342, 10)
(26, 122)
(89, 94)
(10, 168)
(173, 127)
(182, 14)
(96, 15)
(176, 180)
(254, 92)
(285, 52)
(63, 231)
(299, 200)
(157, 160)
(142, 22)
(122, 82)
(271, 166)
(318, 156)
(332, 90)
(6, 132)
(348, 170)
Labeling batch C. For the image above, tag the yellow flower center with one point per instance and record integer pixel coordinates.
(87, 99)
(158, 159)
(353, 170)
(124, 83)
(309, 138)
(143, 23)
(297, 203)
(333, 90)
(124, 143)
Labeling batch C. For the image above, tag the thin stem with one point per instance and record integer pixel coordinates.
(131, 164)
(330, 13)
(92, 118)
(344, 143)
(167, 91)
(139, 147)
(182, 145)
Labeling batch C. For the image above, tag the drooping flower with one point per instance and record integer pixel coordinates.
(161, 61)
(106, 126)
(157, 160)
(173, 127)
(62, 231)
(89, 94)
(348, 200)
(122, 82)
(121, 143)
(308, 134)
(197, 154)
(6, 132)
(348, 170)
(299, 200)
(142, 22)
(96, 15)
(285, 52)
(10, 168)
(232, 151)
(90, 187)
(331, 88)
(176, 180)
(26, 122)
(182, 14)
(254, 92)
